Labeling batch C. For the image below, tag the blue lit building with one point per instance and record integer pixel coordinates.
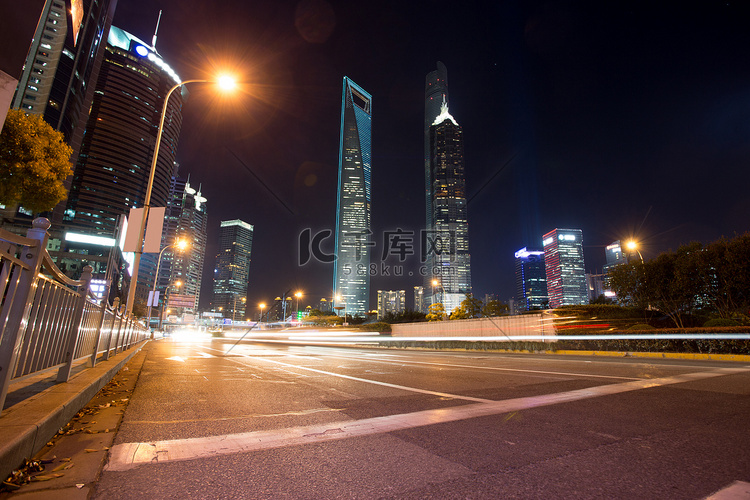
(563, 261)
(531, 280)
(351, 278)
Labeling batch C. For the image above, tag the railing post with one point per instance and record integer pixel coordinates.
(74, 332)
(22, 291)
(103, 313)
(115, 305)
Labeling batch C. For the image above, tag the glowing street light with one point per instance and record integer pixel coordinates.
(298, 295)
(180, 244)
(225, 83)
(632, 245)
(260, 316)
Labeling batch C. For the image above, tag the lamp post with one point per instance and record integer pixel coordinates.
(181, 245)
(225, 83)
(338, 298)
(632, 245)
(297, 295)
(260, 316)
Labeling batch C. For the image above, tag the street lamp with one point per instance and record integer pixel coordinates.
(632, 245)
(181, 245)
(298, 295)
(225, 83)
(338, 298)
(260, 316)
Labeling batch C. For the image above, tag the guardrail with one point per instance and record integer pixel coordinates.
(48, 320)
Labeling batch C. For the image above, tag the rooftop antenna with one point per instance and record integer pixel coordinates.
(153, 39)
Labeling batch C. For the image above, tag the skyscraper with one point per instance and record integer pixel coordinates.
(435, 94)
(63, 63)
(447, 236)
(563, 260)
(111, 173)
(351, 278)
(419, 300)
(186, 267)
(531, 280)
(233, 268)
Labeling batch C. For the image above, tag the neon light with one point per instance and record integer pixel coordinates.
(89, 239)
(547, 241)
(141, 50)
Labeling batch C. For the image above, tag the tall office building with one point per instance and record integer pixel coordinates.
(233, 268)
(531, 280)
(563, 260)
(614, 256)
(447, 237)
(63, 63)
(435, 94)
(391, 301)
(351, 278)
(111, 173)
(419, 300)
(188, 207)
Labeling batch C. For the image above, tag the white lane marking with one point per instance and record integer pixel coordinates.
(738, 490)
(384, 384)
(128, 455)
(450, 365)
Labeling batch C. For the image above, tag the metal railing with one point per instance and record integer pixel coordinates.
(48, 320)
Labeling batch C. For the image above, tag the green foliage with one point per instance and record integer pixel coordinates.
(721, 322)
(495, 308)
(436, 312)
(407, 316)
(641, 326)
(692, 281)
(470, 307)
(380, 326)
(34, 162)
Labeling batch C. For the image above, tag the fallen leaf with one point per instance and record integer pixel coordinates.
(80, 485)
(90, 450)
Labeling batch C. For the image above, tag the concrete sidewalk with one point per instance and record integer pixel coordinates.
(37, 407)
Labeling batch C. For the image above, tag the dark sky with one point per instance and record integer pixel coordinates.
(623, 119)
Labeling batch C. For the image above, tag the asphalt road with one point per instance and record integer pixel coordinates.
(277, 421)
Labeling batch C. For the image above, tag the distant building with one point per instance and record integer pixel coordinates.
(531, 280)
(595, 286)
(420, 304)
(351, 278)
(324, 305)
(391, 301)
(233, 268)
(614, 256)
(188, 207)
(564, 265)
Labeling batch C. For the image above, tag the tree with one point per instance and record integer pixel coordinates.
(495, 308)
(34, 162)
(436, 312)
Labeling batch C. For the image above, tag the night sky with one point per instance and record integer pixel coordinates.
(623, 119)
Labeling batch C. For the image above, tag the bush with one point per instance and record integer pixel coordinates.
(380, 326)
(721, 322)
(641, 326)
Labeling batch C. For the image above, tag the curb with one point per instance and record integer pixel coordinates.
(26, 427)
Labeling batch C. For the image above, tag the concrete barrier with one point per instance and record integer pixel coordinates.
(502, 326)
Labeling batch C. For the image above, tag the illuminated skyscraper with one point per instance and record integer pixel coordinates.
(233, 267)
(391, 301)
(563, 261)
(531, 280)
(351, 278)
(435, 94)
(447, 237)
(63, 63)
(111, 173)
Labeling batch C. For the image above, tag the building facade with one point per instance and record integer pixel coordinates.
(435, 94)
(531, 280)
(446, 242)
(185, 267)
(564, 266)
(420, 304)
(61, 69)
(233, 268)
(112, 170)
(351, 279)
(391, 301)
